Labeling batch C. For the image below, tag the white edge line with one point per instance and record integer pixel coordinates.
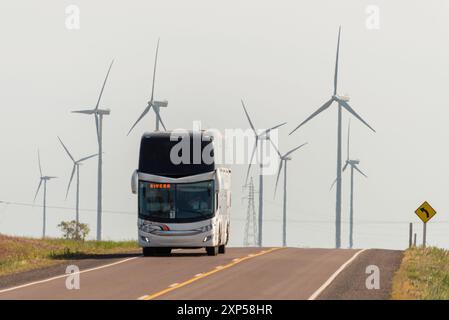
(65, 275)
(334, 275)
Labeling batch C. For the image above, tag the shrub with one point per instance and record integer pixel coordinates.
(72, 231)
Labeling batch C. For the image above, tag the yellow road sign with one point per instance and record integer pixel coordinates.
(425, 212)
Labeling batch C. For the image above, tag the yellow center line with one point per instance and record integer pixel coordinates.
(206, 274)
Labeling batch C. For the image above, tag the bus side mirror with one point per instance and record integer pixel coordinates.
(134, 182)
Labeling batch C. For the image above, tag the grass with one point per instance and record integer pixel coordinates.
(423, 275)
(22, 254)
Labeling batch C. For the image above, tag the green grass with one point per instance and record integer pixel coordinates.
(22, 254)
(423, 274)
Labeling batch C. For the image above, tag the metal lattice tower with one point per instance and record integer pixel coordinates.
(251, 231)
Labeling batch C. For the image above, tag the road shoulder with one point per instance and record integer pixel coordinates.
(350, 284)
(59, 268)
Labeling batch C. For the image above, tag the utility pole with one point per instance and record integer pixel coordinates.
(250, 238)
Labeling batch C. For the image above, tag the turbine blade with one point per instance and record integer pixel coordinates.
(348, 107)
(89, 111)
(293, 150)
(97, 127)
(251, 160)
(275, 148)
(249, 119)
(278, 175)
(272, 128)
(66, 150)
(154, 70)
(70, 181)
(140, 118)
(37, 191)
(360, 171)
(336, 62)
(88, 157)
(349, 133)
(161, 104)
(321, 109)
(333, 184)
(39, 161)
(160, 119)
(104, 84)
(346, 165)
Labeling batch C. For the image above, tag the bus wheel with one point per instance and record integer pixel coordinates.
(222, 249)
(148, 251)
(212, 251)
(164, 251)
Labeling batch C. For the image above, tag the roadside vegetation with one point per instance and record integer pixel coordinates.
(22, 254)
(423, 275)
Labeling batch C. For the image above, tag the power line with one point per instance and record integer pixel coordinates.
(134, 213)
(25, 204)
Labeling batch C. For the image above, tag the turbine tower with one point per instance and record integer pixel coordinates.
(284, 158)
(354, 166)
(264, 135)
(76, 168)
(98, 114)
(43, 179)
(156, 105)
(342, 102)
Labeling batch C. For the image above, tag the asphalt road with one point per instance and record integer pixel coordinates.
(241, 273)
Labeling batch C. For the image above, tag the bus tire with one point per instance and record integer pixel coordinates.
(212, 251)
(164, 251)
(148, 251)
(222, 249)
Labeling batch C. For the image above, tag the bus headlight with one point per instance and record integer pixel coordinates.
(146, 228)
(206, 228)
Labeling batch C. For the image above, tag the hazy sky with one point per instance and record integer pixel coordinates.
(279, 56)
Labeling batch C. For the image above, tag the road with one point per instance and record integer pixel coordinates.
(241, 273)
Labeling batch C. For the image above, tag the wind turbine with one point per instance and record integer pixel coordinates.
(43, 179)
(156, 105)
(284, 158)
(354, 166)
(76, 168)
(342, 102)
(264, 135)
(98, 114)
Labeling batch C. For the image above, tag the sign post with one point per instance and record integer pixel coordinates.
(410, 235)
(425, 212)
(424, 234)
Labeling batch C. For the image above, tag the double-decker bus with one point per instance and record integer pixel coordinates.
(181, 204)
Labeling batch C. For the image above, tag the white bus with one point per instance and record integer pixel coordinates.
(181, 205)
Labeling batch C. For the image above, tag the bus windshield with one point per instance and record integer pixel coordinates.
(183, 202)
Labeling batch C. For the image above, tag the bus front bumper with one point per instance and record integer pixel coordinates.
(180, 240)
